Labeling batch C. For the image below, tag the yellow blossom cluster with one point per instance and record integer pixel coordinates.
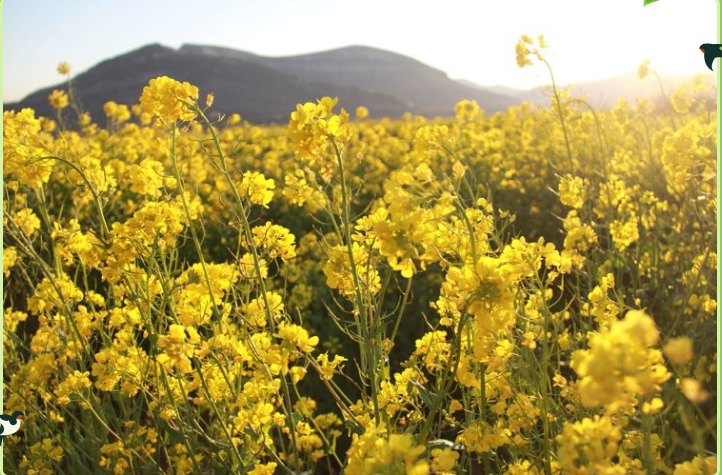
(529, 292)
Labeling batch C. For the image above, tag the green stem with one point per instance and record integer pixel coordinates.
(246, 228)
(558, 101)
(371, 368)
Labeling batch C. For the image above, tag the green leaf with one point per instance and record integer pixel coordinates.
(647, 2)
(445, 443)
(426, 396)
(355, 428)
(296, 417)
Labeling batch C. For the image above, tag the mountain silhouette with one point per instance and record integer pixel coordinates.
(265, 89)
(604, 93)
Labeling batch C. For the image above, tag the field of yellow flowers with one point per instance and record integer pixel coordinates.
(531, 292)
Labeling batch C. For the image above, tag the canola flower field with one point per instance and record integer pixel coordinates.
(529, 292)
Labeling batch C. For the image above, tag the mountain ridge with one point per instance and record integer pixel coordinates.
(265, 89)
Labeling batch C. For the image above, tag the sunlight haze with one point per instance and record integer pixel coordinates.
(468, 40)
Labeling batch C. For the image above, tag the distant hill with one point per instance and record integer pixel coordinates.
(602, 93)
(264, 89)
(421, 88)
(497, 89)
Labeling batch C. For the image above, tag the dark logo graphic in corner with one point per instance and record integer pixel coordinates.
(710, 53)
(9, 424)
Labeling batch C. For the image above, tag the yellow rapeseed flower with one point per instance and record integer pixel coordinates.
(63, 68)
(168, 99)
(58, 99)
(679, 350)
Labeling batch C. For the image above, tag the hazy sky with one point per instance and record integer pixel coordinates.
(589, 39)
